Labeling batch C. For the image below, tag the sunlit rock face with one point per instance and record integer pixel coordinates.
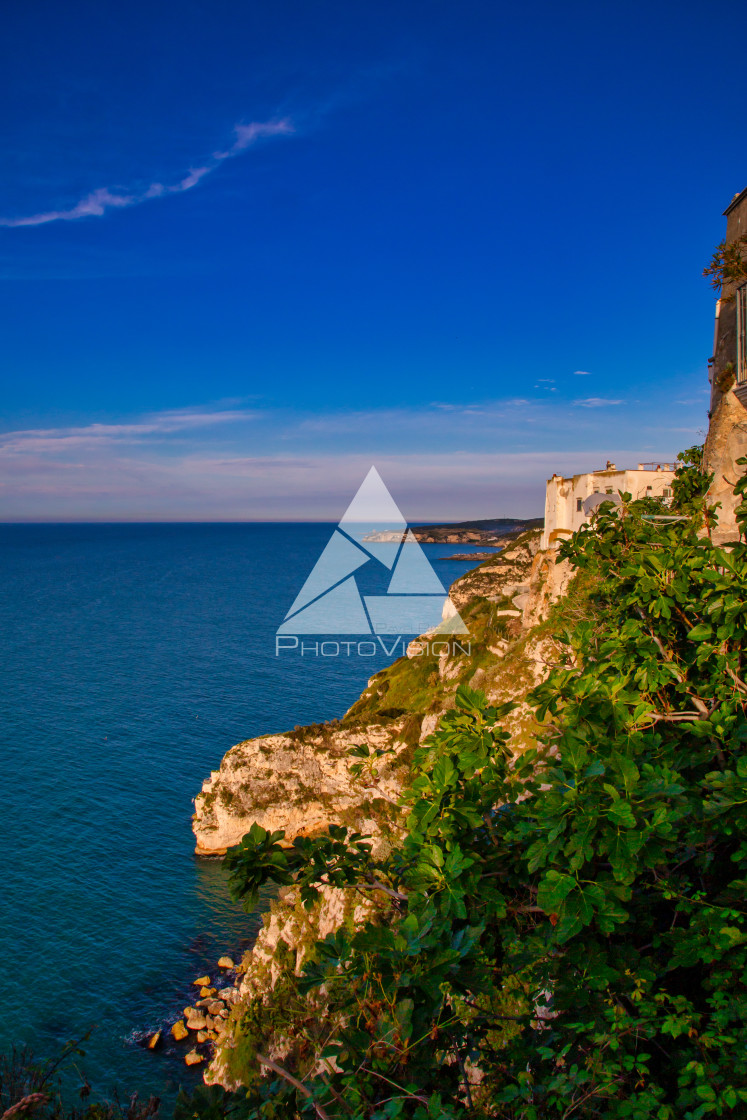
(727, 432)
(300, 782)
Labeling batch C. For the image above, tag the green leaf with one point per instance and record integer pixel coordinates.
(621, 813)
(553, 889)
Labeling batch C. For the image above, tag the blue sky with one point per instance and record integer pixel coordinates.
(247, 250)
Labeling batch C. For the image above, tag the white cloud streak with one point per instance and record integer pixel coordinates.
(54, 441)
(229, 461)
(222, 464)
(99, 201)
(596, 402)
(209, 487)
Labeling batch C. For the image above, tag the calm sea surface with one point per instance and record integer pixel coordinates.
(133, 657)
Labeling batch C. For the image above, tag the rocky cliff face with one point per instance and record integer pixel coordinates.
(726, 442)
(300, 782)
(269, 1015)
(727, 431)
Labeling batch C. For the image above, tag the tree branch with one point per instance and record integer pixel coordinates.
(26, 1104)
(294, 1082)
(697, 702)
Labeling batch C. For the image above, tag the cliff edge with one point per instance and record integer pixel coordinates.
(299, 781)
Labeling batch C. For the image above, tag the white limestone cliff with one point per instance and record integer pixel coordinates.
(300, 782)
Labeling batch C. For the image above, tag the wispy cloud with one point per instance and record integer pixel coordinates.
(238, 459)
(46, 441)
(596, 402)
(204, 486)
(581, 373)
(99, 201)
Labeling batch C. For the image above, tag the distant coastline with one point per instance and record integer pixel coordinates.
(496, 532)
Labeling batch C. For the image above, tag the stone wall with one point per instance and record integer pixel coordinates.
(727, 431)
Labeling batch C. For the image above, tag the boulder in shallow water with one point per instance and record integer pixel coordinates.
(201, 981)
(193, 1058)
(179, 1031)
(197, 1023)
(188, 1011)
(154, 1040)
(205, 993)
(226, 962)
(202, 1036)
(215, 1006)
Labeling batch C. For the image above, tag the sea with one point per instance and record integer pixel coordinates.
(133, 657)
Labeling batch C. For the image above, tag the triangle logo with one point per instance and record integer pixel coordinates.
(372, 531)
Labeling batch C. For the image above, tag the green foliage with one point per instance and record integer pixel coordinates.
(339, 858)
(691, 483)
(206, 1102)
(740, 490)
(565, 932)
(728, 265)
(367, 769)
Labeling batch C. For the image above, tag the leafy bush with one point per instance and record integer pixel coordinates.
(728, 265)
(564, 932)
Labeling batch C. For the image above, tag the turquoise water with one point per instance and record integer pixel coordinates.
(133, 657)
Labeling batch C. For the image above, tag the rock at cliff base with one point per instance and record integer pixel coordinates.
(179, 1031)
(202, 1036)
(193, 1058)
(215, 1006)
(197, 1023)
(154, 1040)
(201, 981)
(206, 992)
(226, 962)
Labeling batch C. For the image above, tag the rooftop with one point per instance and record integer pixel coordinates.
(735, 201)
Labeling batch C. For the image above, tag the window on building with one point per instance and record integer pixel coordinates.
(742, 333)
(608, 491)
(579, 505)
(667, 493)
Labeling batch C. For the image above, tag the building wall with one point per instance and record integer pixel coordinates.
(727, 431)
(564, 497)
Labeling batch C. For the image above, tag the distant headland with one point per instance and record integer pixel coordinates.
(496, 531)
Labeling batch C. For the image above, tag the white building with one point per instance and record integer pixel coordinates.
(570, 502)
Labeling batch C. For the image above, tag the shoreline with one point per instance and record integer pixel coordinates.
(299, 781)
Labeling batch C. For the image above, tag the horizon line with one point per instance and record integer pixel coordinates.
(253, 521)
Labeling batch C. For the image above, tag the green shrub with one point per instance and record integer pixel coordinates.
(569, 934)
